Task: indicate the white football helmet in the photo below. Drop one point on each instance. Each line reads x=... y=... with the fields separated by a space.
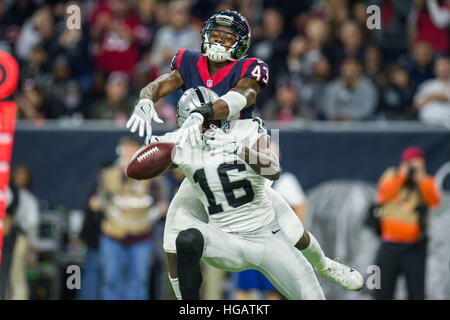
x=192 y=99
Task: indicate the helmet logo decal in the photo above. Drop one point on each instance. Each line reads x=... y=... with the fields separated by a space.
x=224 y=20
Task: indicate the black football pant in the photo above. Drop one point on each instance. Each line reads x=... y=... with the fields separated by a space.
x=398 y=258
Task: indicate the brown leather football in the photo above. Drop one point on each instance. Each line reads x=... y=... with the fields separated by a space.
x=151 y=161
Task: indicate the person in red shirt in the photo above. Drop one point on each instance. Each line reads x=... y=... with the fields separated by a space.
x=405 y=194
x=114 y=28
x=425 y=27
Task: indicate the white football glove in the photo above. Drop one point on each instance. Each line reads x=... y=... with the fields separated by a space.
x=169 y=137
x=191 y=130
x=143 y=114
x=220 y=141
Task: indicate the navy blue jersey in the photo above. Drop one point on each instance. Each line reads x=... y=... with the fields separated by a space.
x=193 y=67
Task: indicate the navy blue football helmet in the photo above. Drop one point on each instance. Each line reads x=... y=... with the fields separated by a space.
x=241 y=30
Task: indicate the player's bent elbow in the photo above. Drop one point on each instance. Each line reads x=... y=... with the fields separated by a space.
x=273 y=175
x=276 y=176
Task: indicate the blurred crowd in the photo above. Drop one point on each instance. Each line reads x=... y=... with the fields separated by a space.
x=325 y=63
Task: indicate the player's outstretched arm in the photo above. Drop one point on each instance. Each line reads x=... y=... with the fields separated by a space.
x=162 y=86
x=144 y=112
x=261 y=159
x=230 y=104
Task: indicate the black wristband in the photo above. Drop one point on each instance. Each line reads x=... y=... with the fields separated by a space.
x=206 y=110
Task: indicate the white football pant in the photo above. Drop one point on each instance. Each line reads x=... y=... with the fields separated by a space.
x=185 y=208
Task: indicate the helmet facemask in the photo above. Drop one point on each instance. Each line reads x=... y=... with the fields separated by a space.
x=216 y=51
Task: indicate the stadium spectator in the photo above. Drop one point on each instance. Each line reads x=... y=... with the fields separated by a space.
x=301 y=58
x=350 y=44
x=396 y=95
x=162 y=14
x=113 y=29
x=21 y=227
x=317 y=32
x=405 y=194
x=300 y=62
x=312 y=92
x=272 y=47
x=179 y=33
x=74 y=45
x=420 y=64
x=427 y=26
x=440 y=14
x=117 y=104
x=373 y=65
x=291 y=11
x=311 y=89
x=39 y=29
x=337 y=13
x=64 y=95
x=31 y=102
x=145 y=31
x=90 y=236
x=392 y=37
x=130 y=209
x=11 y=19
x=350 y=97
x=286 y=105
x=37 y=67
x=433 y=96
x=308 y=69
x=360 y=15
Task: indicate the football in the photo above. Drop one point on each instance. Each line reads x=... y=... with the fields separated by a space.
x=151 y=161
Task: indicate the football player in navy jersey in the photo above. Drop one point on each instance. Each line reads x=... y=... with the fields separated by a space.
x=222 y=67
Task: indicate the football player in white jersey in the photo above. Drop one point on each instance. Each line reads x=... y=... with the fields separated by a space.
x=188 y=207
x=225 y=40
x=242 y=232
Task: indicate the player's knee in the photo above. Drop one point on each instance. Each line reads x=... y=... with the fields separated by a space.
x=190 y=242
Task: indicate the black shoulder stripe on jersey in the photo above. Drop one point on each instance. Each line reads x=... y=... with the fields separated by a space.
x=261 y=123
x=200 y=95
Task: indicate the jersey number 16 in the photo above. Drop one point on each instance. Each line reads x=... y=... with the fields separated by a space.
x=227 y=187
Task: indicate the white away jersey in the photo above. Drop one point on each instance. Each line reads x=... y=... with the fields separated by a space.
x=248 y=130
x=231 y=191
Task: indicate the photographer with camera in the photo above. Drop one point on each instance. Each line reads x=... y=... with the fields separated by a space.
x=405 y=194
